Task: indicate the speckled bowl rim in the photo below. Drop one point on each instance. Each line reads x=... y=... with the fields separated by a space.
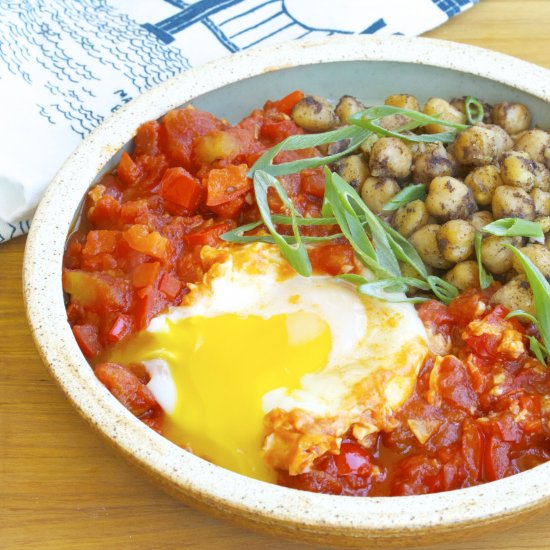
x=181 y=472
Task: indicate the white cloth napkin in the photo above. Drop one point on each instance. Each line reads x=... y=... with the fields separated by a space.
x=65 y=65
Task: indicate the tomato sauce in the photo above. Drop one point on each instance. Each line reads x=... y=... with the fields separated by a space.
x=478 y=411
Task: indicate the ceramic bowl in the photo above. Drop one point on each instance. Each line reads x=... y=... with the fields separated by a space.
x=370 y=68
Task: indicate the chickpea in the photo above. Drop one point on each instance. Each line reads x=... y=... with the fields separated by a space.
x=403 y=101
x=410 y=218
x=475 y=145
x=538 y=254
x=425 y=242
x=431 y=163
x=456 y=240
x=513 y=117
x=544 y=222
x=449 y=199
x=436 y=106
x=541 y=199
x=367 y=145
x=496 y=257
x=314 y=114
x=515 y=294
x=481 y=219
x=463 y=275
x=535 y=143
x=512 y=202
x=347 y=106
x=519 y=169
x=483 y=181
x=376 y=192
x=390 y=158
x=503 y=140
x=353 y=169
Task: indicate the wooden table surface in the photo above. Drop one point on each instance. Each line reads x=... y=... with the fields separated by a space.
x=61 y=487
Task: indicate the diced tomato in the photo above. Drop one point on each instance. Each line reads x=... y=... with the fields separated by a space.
x=472 y=449
x=101 y=241
x=313 y=182
x=333 y=259
x=287 y=103
x=170 y=285
x=145 y=274
x=468 y=306
x=146 y=141
x=353 y=460
x=105 y=211
x=274 y=131
x=229 y=209
x=496 y=460
x=126 y=387
x=87 y=339
x=96 y=291
x=180 y=187
x=208 y=235
x=453 y=383
x=179 y=128
x=436 y=316
x=149 y=302
x=151 y=243
x=120 y=328
x=128 y=171
x=225 y=184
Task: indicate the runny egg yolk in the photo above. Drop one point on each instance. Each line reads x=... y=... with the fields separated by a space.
x=221 y=368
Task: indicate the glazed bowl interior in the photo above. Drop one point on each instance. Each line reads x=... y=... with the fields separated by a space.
x=370 y=69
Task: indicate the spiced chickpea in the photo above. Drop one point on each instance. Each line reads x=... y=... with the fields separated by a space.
x=436 y=106
x=390 y=158
x=512 y=202
x=541 y=200
x=347 y=106
x=535 y=143
x=448 y=199
x=538 y=254
x=456 y=240
x=353 y=169
x=463 y=275
x=432 y=162
x=314 y=114
x=481 y=219
x=513 y=117
x=495 y=255
x=483 y=181
x=410 y=217
x=425 y=242
x=515 y=294
x=376 y=192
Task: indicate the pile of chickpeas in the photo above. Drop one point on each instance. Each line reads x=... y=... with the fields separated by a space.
x=498 y=168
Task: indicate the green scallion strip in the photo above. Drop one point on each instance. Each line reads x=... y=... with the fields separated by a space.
x=407 y=194
x=443 y=290
x=346 y=206
x=355 y=135
x=296 y=254
x=541 y=294
x=485 y=279
x=515 y=227
x=391 y=289
x=539 y=351
x=474 y=110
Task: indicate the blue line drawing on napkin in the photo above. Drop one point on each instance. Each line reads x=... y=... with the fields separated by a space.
x=70 y=63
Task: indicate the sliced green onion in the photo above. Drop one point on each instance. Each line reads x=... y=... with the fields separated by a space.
x=485 y=279
x=406 y=195
x=444 y=291
x=355 y=135
x=539 y=351
x=541 y=294
x=405 y=251
x=476 y=114
x=388 y=289
x=515 y=227
x=296 y=254
x=346 y=206
x=521 y=313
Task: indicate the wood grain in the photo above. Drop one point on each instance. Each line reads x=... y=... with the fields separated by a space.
x=61 y=488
